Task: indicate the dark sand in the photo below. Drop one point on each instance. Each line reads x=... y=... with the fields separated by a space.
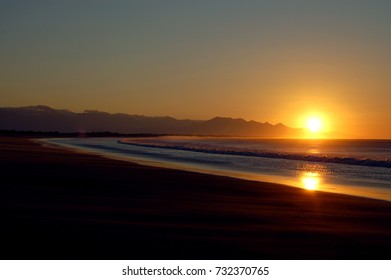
x=58 y=204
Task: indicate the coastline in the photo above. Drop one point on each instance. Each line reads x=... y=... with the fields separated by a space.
x=302 y=179
x=61 y=204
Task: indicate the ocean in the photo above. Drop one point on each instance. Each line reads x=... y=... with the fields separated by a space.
x=354 y=167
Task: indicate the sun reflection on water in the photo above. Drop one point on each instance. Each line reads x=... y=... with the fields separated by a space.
x=310 y=180
x=313 y=151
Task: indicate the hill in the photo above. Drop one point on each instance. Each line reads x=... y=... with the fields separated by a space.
x=44 y=118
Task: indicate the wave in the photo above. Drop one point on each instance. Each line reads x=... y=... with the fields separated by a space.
x=270 y=154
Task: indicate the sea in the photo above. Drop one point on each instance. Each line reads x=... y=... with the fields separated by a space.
x=353 y=167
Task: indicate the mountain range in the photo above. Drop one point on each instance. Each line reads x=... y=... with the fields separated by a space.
x=44 y=118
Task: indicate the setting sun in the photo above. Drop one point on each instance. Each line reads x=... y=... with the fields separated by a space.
x=314 y=124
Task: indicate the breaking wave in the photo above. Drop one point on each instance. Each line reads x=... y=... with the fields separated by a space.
x=269 y=154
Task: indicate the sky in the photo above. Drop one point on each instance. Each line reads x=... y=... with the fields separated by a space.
x=279 y=61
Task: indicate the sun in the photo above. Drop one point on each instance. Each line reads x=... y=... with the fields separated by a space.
x=314 y=124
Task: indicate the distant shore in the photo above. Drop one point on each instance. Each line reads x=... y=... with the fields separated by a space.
x=59 y=204
x=57 y=134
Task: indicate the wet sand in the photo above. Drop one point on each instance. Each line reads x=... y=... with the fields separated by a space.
x=59 y=204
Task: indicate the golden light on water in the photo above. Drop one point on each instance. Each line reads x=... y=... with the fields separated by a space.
x=310 y=180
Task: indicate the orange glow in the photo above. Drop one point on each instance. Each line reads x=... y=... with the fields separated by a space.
x=314 y=124
x=310 y=181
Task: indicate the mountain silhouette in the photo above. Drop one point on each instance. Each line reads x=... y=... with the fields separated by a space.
x=44 y=118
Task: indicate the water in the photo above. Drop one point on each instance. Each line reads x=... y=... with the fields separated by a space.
x=355 y=167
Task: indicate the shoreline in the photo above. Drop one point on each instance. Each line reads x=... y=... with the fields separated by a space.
x=60 y=204
x=364 y=191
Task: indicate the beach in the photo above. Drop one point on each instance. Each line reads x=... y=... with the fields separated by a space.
x=61 y=204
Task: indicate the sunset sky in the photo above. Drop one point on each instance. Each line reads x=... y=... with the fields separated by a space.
x=276 y=61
